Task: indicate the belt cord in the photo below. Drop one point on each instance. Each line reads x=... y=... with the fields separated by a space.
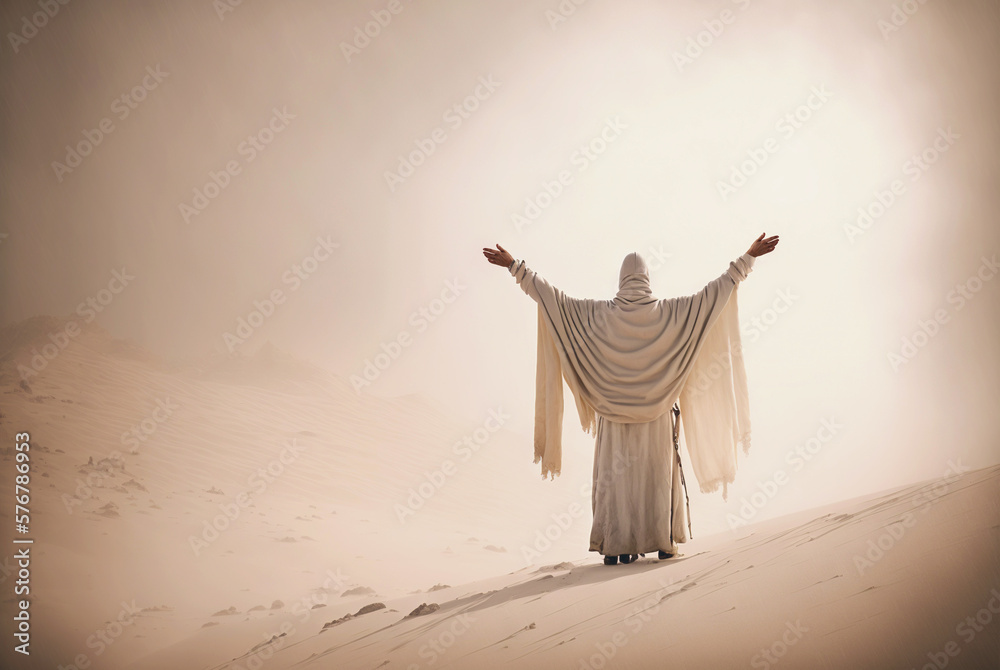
x=677 y=448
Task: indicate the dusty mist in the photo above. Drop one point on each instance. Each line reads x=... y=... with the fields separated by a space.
x=262 y=362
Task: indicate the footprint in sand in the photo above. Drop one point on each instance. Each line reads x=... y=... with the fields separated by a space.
x=558 y=567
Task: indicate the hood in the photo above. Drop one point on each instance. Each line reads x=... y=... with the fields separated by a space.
x=633 y=280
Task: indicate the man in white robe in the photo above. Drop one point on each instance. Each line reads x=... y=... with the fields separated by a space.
x=634 y=364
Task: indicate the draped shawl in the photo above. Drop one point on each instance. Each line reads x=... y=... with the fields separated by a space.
x=631 y=358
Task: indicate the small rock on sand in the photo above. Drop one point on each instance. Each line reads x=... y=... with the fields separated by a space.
x=158 y=608
x=347 y=617
x=423 y=609
x=358 y=591
x=110 y=511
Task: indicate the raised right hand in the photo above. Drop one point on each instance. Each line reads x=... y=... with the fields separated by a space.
x=761 y=246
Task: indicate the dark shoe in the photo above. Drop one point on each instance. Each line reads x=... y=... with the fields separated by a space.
x=628 y=558
x=610 y=560
x=662 y=555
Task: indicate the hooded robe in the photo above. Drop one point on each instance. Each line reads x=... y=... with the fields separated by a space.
x=627 y=361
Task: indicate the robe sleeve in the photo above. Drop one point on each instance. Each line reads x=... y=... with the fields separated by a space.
x=532 y=283
x=697 y=313
x=737 y=271
x=741 y=267
x=714 y=400
x=549 y=374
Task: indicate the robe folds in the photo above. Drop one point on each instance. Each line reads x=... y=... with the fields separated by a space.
x=638 y=500
x=627 y=360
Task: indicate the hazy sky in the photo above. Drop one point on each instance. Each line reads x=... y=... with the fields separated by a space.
x=618 y=123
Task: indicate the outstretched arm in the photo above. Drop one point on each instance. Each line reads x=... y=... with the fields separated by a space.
x=716 y=292
x=530 y=281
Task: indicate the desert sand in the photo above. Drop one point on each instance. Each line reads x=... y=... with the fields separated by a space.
x=246 y=513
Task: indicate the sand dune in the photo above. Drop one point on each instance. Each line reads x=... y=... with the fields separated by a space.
x=232 y=483
x=804 y=591
x=244 y=511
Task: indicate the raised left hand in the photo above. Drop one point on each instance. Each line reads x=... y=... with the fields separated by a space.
x=501 y=257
